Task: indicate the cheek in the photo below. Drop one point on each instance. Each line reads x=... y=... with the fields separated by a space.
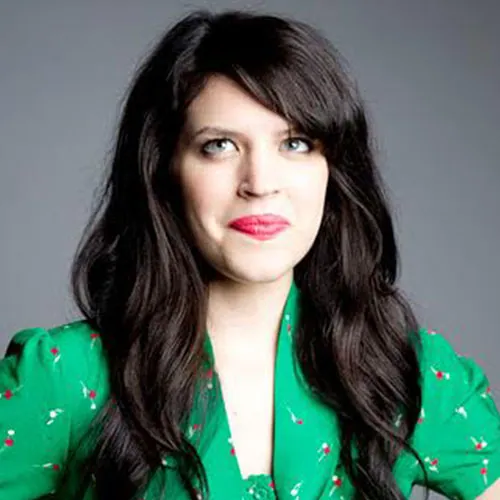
x=205 y=198
x=312 y=192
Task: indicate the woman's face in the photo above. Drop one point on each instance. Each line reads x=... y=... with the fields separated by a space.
x=236 y=159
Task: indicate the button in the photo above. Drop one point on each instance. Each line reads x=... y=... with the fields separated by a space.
x=259 y=488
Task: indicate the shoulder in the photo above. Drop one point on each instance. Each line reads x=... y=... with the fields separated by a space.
x=53 y=382
x=448 y=378
x=64 y=363
x=72 y=335
x=71 y=349
x=458 y=432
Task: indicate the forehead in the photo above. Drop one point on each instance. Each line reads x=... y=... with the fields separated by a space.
x=222 y=102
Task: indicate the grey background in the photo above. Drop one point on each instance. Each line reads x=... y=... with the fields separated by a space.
x=429 y=71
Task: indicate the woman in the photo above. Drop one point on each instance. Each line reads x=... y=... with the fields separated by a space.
x=243 y=336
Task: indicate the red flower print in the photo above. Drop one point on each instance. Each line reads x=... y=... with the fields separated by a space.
x=93 y=339
x=209 y=378
x=232 y=451
x=54 y=467
x=8 y=441
x=55 y=353
x=192 y=430
x=433 y=463
x=440 y=375
x=479 y=445
x=324 y=451
x=484 y=471
x=90 y=394
x=487 y=392
x=294 y=418
x=337 y=483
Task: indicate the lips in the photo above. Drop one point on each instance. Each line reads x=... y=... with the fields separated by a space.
x=261 y=227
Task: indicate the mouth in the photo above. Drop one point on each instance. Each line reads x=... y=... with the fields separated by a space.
x=260 y=227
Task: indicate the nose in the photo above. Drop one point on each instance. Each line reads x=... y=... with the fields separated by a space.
x=260 y=174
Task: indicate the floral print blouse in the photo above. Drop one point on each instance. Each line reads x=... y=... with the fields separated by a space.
x=54 y=381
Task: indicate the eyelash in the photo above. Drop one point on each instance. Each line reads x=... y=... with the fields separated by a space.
x=307 y=141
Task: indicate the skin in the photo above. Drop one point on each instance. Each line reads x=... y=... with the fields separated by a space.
x=256 y=168
x=492 y=493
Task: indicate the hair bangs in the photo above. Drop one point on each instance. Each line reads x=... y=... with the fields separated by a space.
x=302 y=82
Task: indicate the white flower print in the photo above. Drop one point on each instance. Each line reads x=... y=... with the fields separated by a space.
x=94 y=337
x=90 y=394
x=486 y=393
x=323 y=451
x=484 y=471
x=53 y=414
x=398 y=420
x=192 y=430
x=421 y=417
x=57 y=355
x=337 y=483
x=55 y=467
x=440 y=375
x=8 y=393
x=295 y=491
x=209 y=375
x=294 y=418
x=479 y=445
x=433 y=463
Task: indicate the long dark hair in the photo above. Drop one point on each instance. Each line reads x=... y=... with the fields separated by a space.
x=139 y=281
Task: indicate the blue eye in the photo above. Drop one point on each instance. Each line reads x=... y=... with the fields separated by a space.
x=208 y=147
x=299 y=143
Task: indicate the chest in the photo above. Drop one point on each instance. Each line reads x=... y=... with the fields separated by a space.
x=248 y=392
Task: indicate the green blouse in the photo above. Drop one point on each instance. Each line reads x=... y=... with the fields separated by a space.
x=54 y=381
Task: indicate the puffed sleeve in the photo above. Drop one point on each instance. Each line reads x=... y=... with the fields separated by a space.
x=458 y=435
x=48 y=396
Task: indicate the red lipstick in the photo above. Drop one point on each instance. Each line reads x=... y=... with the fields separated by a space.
x=260 y=227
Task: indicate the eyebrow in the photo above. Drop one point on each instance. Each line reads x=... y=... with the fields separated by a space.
x=235 y=133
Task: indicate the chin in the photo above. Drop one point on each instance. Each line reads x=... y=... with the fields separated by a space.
x=258 y=277
x=258 y=270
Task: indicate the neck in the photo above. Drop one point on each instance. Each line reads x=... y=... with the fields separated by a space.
x=242 y=314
